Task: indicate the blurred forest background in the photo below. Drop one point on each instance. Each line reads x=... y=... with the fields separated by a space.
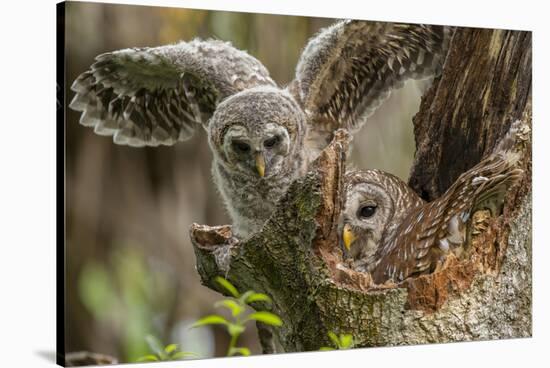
x=130 y=267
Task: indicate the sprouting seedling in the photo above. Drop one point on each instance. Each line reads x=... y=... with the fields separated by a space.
x=342 y=342
x=160 y=353
x=238 y=307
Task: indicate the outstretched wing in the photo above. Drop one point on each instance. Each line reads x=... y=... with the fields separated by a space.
x=348 y=69
x=153 y=96
x=431 y=232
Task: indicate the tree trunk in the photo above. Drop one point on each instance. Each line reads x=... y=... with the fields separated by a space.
x=485 y=85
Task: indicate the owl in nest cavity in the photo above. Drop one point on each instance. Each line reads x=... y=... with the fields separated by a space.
x=390 y=232
x=262 y=136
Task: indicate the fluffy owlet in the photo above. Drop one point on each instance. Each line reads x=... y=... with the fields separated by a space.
x=262 y=136
x=389 y=231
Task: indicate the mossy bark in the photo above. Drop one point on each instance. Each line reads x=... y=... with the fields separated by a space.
x=295 y=258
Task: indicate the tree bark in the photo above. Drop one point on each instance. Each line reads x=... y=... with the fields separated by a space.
x=295 y=258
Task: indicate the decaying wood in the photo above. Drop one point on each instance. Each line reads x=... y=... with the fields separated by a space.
x=485 y=294
x=485 y=85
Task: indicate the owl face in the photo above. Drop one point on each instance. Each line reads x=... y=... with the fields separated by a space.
x=257 y=131
x=258 y=152
x=368 y=210
x=376 y=204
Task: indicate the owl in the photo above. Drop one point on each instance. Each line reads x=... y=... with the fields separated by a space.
x=262 y=136
x=390 y=232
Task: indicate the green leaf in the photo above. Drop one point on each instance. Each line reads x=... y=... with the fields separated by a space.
x=334 y=339
x=242 y=351
x=235 y=329
x=326 y=348
x=265 y=317
x=227 y=286
x=170 y=348
x=212 y=319
x=232 y=305
x=183 y=355
x=346 y=341
x=148 y=358
x=155 y=346
x=258 y=297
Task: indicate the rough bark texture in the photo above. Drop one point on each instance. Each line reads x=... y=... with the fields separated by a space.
x=485 y=85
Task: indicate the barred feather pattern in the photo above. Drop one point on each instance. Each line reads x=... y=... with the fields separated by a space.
x=428 y=233
x=158 y=96
x=349 y=69
x=393 y=199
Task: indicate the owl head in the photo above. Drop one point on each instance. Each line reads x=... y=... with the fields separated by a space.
x=375 y=204
x=257 y=132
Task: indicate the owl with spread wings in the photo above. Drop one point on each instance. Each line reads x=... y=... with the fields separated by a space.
x=262 y=136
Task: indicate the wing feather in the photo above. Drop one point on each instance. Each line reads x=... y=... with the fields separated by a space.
x=439 y=227
x=158 y=96
x=350 y=68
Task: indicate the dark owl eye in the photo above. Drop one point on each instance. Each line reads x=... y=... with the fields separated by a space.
x=367 y=211
x=268 y=143
x=241 y=146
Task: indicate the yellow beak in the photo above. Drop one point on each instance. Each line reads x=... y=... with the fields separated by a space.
x=348 y=236
x=260 y=164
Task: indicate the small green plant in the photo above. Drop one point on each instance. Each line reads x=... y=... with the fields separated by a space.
x=238 y=306
x=342 y=342
x=160 y=353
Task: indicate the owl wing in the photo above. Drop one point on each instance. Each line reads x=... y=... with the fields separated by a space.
x=350 y=68
x=428 y=234
x=153 y=96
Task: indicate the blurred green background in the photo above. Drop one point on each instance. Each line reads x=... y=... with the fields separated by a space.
x=130 y=267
